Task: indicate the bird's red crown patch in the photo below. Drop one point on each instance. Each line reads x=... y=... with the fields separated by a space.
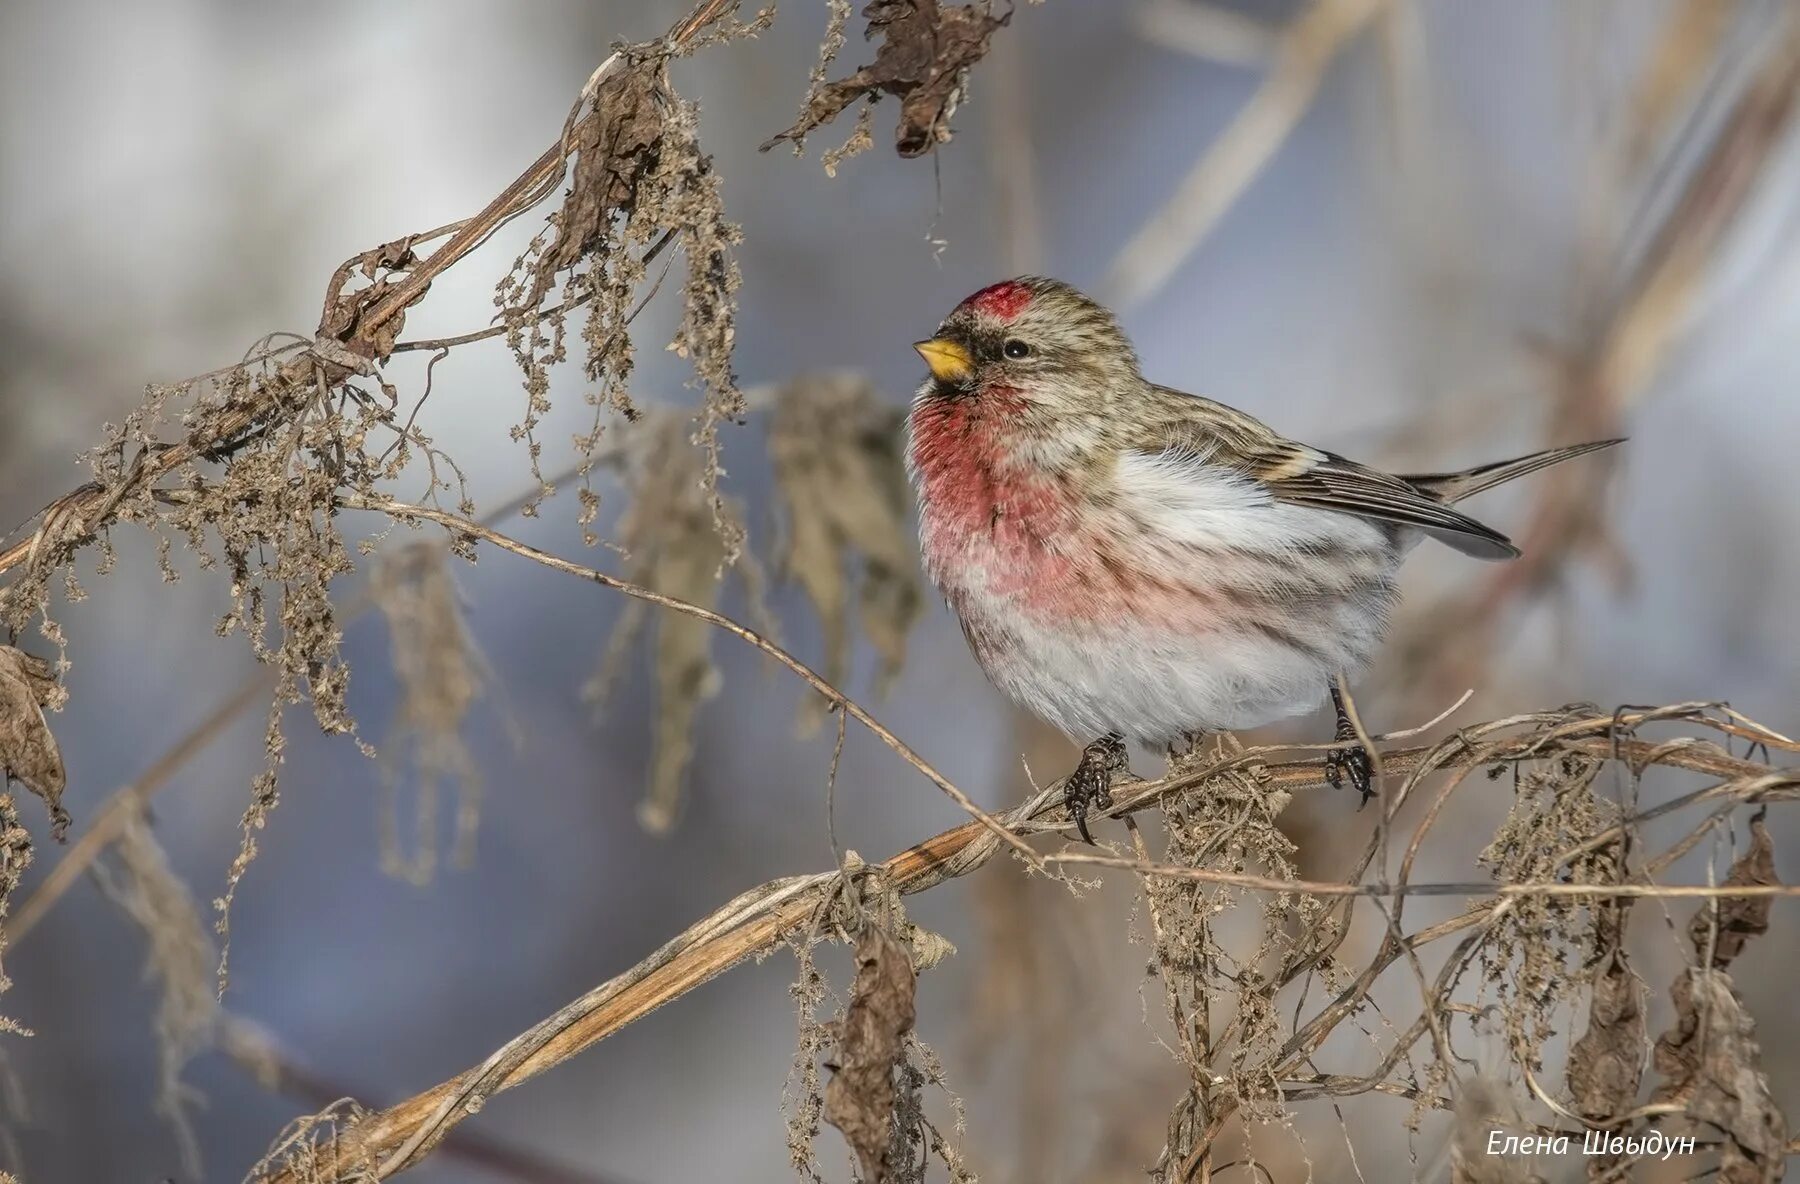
x=1003 y=301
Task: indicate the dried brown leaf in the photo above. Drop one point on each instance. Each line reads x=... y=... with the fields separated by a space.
x=1739 y=918
x=28 y=751
x=616 y=144
x=346 y=308
x=871 y=1042
x=1712 y=1065
x=925 y=51
x=842 y=484
x=1606 y=1065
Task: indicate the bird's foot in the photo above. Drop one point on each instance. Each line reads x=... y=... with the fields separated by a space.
x=1090 y=784
x=1350 y=763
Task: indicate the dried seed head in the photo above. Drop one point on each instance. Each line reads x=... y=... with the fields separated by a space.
x=672 y=547
x=440 y=674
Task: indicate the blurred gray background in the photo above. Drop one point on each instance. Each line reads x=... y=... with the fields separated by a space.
x=1397 y=283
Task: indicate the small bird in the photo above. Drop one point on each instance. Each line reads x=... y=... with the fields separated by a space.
x=1128 y=560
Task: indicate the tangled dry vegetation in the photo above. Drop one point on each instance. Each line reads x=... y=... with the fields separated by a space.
x=253 y=467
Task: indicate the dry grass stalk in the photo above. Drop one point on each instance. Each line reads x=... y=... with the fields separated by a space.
x=261 y=449
x=1639 y=320
x=109 y=821
x=274 y=1068
x=270 y=451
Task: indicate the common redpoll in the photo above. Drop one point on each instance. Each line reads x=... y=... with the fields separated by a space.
x=1129 y=560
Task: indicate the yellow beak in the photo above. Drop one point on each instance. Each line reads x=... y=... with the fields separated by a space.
x=949 y=361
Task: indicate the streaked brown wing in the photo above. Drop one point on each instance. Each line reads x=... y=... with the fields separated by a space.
x=1345 y=486
x=1304 y=476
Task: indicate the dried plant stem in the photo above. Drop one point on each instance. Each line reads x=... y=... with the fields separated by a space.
x=271 y=1065
x=759 y=920
x=1615 y=363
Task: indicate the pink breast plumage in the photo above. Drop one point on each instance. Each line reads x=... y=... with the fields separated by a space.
x=978 y=507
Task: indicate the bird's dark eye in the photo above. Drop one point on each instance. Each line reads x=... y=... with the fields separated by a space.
x=1014 y=348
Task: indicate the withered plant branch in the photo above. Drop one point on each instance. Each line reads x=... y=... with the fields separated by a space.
x=1304 y=53
x=83 y=511
x=759 y=920
x=544 y=315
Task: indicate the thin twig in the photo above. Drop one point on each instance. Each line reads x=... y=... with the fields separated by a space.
x=475 y=530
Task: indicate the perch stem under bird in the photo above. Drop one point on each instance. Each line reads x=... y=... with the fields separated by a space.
x=1130 y=561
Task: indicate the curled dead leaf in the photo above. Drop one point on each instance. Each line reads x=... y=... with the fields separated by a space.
x=871 y=1041
x=28 y=751
x=841 y=482
x=346 y=307
x=1712 y=1066
x=926 y=50
x=1606 y=1065
x=616 y=145
x=1739 y=918
x=1709 y=1061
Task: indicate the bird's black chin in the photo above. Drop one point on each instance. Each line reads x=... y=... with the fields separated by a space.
x=950 y=391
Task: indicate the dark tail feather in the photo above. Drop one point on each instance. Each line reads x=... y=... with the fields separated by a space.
x=1453 y=487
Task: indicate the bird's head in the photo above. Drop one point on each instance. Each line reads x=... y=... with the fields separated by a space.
x=1034 y=341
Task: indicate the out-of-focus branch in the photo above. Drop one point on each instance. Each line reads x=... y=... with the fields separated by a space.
x=755 y=922
x=126 y=804
x=1207 y=31
x=1305 y=52
x=1613 y=369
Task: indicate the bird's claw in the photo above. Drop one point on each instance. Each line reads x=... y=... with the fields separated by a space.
x=1350 y=763
x=1091 y=782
